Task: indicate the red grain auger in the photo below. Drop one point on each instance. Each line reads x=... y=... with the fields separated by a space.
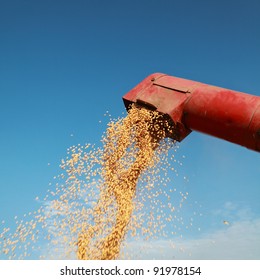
x=223 y=113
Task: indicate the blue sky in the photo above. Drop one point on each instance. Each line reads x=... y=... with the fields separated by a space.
x=63 y=64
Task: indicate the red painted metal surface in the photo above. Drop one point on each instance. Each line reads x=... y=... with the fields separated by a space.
x=223 y=113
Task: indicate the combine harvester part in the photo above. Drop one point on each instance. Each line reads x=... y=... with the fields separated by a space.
x=223 y=113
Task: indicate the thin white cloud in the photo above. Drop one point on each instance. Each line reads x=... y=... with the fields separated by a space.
x=234 y=211
x=241 y=240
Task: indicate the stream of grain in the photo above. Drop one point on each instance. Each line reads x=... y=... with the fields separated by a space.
x=95 y=203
